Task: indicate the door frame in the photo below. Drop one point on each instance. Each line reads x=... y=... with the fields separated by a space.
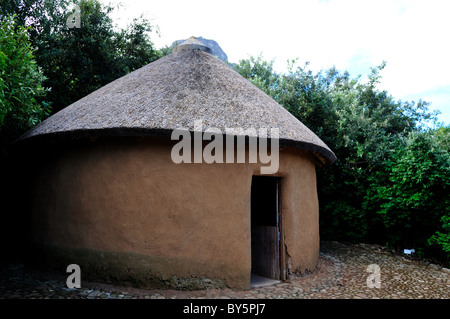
x=282 y=248
x=280 y=228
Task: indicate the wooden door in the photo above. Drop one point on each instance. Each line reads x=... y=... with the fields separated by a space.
x=265 y=252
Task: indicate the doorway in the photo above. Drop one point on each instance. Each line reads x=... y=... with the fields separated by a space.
x=266 y=227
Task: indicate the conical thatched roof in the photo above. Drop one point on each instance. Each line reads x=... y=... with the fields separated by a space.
x=172 y=92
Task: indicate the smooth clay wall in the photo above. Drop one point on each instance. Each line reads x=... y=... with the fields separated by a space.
x=122 y=210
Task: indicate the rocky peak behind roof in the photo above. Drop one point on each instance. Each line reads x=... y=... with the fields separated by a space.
x=213 y=45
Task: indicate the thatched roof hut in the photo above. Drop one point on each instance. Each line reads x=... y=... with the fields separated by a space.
x=109 y=198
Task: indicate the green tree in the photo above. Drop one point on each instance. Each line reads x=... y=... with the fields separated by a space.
x=21 y=89
x=411 y=191
x=78 y=60
x=260 y=73
x=442 y=137
x=441 y=237
x=369 y=125
x=22 y=105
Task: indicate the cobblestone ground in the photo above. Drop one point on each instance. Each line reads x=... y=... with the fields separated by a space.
x=341 y=274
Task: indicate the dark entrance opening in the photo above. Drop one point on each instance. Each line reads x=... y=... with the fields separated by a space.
x=265 y=227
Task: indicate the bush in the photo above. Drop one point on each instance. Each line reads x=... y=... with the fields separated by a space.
x=410 y=194
x=21 y=90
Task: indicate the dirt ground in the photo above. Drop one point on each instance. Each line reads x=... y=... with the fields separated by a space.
x=345 y=271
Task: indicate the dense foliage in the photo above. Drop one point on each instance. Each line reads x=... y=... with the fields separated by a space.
x=21 y=81
x=77 y=59
x=391 y=181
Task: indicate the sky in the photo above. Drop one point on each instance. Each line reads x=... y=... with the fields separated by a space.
x=412 y=36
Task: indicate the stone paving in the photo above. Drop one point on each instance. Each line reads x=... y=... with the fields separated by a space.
x=342 y=273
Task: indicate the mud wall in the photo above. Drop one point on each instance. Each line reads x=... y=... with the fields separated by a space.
x=123 y=211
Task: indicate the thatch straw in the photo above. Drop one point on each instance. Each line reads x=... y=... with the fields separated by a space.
x=172 y=93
